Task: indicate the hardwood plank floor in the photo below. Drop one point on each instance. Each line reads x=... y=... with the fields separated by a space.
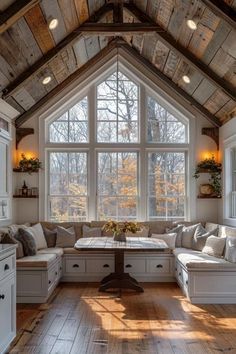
x=78 y=320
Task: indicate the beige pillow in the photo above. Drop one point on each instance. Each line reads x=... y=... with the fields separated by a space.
x=187 y=235
x=13 y=229
x=37 y=232
x=178 y=230
x=65 y=237
x=169 y=239
x=230 y=249
x=7 y=238
x=92 y=231
x=200 y=236
x=214 y=246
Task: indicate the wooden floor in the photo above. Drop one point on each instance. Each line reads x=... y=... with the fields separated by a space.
x=78 y=319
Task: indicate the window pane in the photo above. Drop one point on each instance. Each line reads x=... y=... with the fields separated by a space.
x=163 y=127
x=72 y=126
x=117 y=102
x=68 y=209
x=166 y=185
x=68 y=185
x=117 y=185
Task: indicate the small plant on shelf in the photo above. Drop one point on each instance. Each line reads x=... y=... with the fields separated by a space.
x=28 y=165
x=214 y=168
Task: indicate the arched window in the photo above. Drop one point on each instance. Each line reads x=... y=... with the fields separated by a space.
x=120 y=152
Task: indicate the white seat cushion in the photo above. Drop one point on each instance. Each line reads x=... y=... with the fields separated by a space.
x=196 y=259
x=52 y=250
x=37 y=261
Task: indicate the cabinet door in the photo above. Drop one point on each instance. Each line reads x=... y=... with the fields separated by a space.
x=7 y=312
x=3 y=168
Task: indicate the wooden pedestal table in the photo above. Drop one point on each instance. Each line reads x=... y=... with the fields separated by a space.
x=119 y=279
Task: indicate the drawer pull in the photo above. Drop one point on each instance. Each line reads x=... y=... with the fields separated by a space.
x=128 y=266
x=106 y=266
x=176 y=269
x=2 y=297
x=6 y=267
x=159 y=266
x=186 y=282
x=49 y=282
x=56 y=273
x=60 y=268
x=75 y=266
x=180 y=274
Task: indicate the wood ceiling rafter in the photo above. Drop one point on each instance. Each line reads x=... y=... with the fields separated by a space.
x=184 y=53
x=223 y=10
x=117 y=43
x=14 y=12
x=52 y=53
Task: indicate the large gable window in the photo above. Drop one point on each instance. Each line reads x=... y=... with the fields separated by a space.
x=120 y=152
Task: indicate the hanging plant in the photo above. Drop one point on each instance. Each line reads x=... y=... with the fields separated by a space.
x=214 y=168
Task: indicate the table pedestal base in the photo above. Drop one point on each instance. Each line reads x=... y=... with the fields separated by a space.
x=120 y=279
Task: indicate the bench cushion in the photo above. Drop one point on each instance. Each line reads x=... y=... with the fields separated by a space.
x=197 y=260
x=37 y=261
x=52 y=250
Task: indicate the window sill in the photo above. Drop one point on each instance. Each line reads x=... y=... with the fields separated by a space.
x=230 y=222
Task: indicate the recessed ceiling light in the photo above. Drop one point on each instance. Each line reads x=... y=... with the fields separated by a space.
x=46 y=80
x=186 y=79
x=52 y=23
x=192 y=24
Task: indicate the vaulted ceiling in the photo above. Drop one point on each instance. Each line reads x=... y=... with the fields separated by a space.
x=154 y=30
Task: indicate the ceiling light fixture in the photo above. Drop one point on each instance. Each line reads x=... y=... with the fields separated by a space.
x=192 y=24
x=186 y=79
x=46 y=80
x=52 y=23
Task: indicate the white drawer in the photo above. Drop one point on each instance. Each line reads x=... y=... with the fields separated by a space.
x=99 y=266
x=7 y=266
x=158 y=266
x=135 y=265
x=75 y=266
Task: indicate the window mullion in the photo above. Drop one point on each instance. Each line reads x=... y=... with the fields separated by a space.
x=92 y=158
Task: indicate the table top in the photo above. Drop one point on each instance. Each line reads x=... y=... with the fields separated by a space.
x=131 y=244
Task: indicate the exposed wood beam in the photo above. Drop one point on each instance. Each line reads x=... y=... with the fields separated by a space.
x=64 y=84
x=185 y=54
x=117 y=43
x=119 y=28
x=49 y=56
x=169 y=83
x=118 y=12
x=221 y=9
x=14 y=12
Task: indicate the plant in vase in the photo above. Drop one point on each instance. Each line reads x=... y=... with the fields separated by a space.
x=119 y=229
x=29 y=165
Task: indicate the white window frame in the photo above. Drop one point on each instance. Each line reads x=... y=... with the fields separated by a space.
x=87 y=88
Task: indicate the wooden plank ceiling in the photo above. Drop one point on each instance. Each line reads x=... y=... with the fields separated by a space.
x=29 y=50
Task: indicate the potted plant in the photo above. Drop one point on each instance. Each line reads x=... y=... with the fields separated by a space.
x=119 y=229
x=214 y=168
x=29 y=165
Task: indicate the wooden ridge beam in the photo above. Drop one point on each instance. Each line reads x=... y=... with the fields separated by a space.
x=50 y=55
x=64 y=84
x=14 y=12
x=221 y=9
x=169 y=83
x=119 y=28
x=185 y=54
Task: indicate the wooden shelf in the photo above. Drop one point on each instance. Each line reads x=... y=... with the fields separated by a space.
x=208 y=197
x=26 y=196
x=29 y=172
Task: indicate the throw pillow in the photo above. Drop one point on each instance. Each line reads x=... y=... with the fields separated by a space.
x=176 y=230
x=37 y=232
x=65 y=237
x=230 y=249
x=214 y=246
x=169 y=239
x=50 y=236
x=7 y=238
x=200 y=236
x=13 y=229
x=187 y=235
x=28 y=242
x=92 y=231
